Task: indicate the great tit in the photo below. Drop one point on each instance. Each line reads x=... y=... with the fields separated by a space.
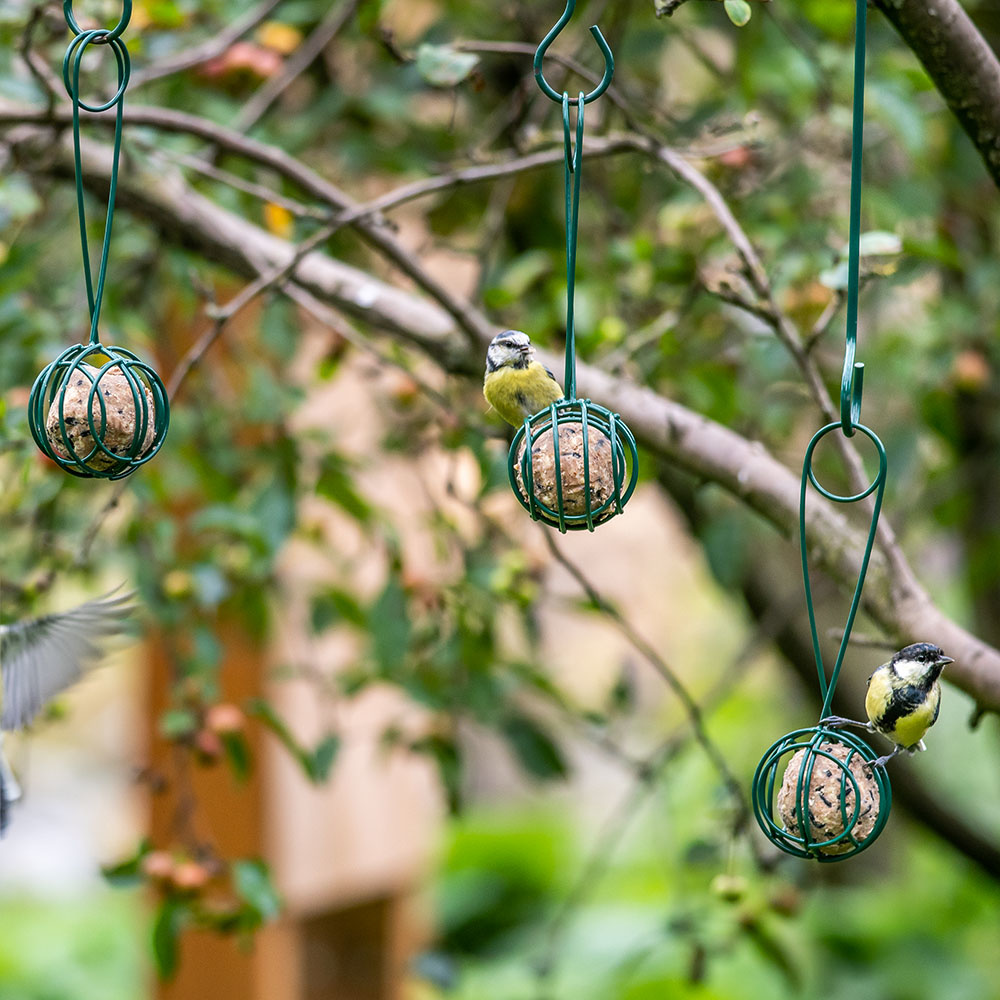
x=516 y=385
x=904 y=698
x=41 y=657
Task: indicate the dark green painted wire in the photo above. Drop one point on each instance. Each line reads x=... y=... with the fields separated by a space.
x=852 y=379
x=569 y=409
x=71 y=79
x=75 y=443
x=572 y=162
x=814 y=740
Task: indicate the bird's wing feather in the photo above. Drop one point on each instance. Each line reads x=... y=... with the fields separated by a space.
x=548 y=371
x=43 y=656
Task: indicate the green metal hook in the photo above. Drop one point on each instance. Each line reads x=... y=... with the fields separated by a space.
x=609 y=61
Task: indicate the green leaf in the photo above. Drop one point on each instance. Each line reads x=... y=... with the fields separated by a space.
x=176 y=723
x=237 y=752
x=252 y=881
x=323 y=757
x=878 y=242
x=835 y=277
x=445 y=754
x=443 y=65
x=390 y=627
x=170 y=920
x=739 y=12
x=536 y=751
x=314 y=763
x=332 y=606
x=336 y=485
x=128 y=872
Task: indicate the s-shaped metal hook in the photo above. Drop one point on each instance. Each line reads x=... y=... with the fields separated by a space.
x=609 y=61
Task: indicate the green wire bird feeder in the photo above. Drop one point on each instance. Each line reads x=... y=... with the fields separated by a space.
x=98 y=411
x=817 y=792
x=574 y=464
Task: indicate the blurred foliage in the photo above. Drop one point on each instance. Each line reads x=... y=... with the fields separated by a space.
x=75 y=949
x=763 y=110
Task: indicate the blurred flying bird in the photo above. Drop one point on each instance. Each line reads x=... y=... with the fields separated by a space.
x=904 y=698
x=516 y=385
x=41 y=657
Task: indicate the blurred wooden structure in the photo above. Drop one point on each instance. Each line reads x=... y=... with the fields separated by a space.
x=345 y=856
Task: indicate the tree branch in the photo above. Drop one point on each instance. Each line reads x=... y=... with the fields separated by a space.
x=209 y=49
x=965 y=70
x=299 y=61
x=893 y=597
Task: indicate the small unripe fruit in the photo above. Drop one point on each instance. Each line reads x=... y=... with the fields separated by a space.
x=158 y=865
x=208 y=745
x=190 y=876
x=224 y=718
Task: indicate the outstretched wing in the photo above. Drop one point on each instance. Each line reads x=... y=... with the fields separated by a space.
x=43 y=656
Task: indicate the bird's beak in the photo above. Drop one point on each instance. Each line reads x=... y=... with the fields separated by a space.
x=945 y=660
x=525 y=348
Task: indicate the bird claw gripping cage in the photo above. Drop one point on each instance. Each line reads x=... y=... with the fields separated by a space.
x=819 y=792
x=97 y=410
x=574 y=464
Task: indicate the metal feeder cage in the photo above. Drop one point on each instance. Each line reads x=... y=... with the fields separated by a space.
x=580 y=476
x=98 y=412
x=826 y=810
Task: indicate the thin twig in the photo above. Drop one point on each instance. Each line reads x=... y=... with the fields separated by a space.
x=209 y=49
x=646 y=650
x=299 y=61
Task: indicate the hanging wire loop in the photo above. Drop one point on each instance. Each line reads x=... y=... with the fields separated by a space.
x=107 y=35
x=609 y=61
x=575 y=464
x=877 y=486
x=573 y=162
x=820 y=792
x=98 y=411
x=71 y=78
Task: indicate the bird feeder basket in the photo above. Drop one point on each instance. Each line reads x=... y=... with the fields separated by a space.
x=573 y=465
x=819 y=792
x=581 y=475
x=97 y=411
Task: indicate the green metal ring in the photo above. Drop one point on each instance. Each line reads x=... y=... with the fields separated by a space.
x=77 y=46
x=624 y=461
x=766 y=778
x=50 y=387
x=108 y=35
x=879 y=479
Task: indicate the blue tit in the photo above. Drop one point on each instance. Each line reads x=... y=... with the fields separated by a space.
x=904 y=698
x=41 y=657
x=516 y=385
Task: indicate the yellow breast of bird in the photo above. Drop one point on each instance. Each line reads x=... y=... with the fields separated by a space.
x=516 y=393
x=902 y=714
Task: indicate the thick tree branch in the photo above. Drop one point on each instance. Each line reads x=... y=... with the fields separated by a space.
x=965 y=70
x=693 y=442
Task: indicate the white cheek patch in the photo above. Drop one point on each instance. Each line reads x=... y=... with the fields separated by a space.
x=910 y=670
